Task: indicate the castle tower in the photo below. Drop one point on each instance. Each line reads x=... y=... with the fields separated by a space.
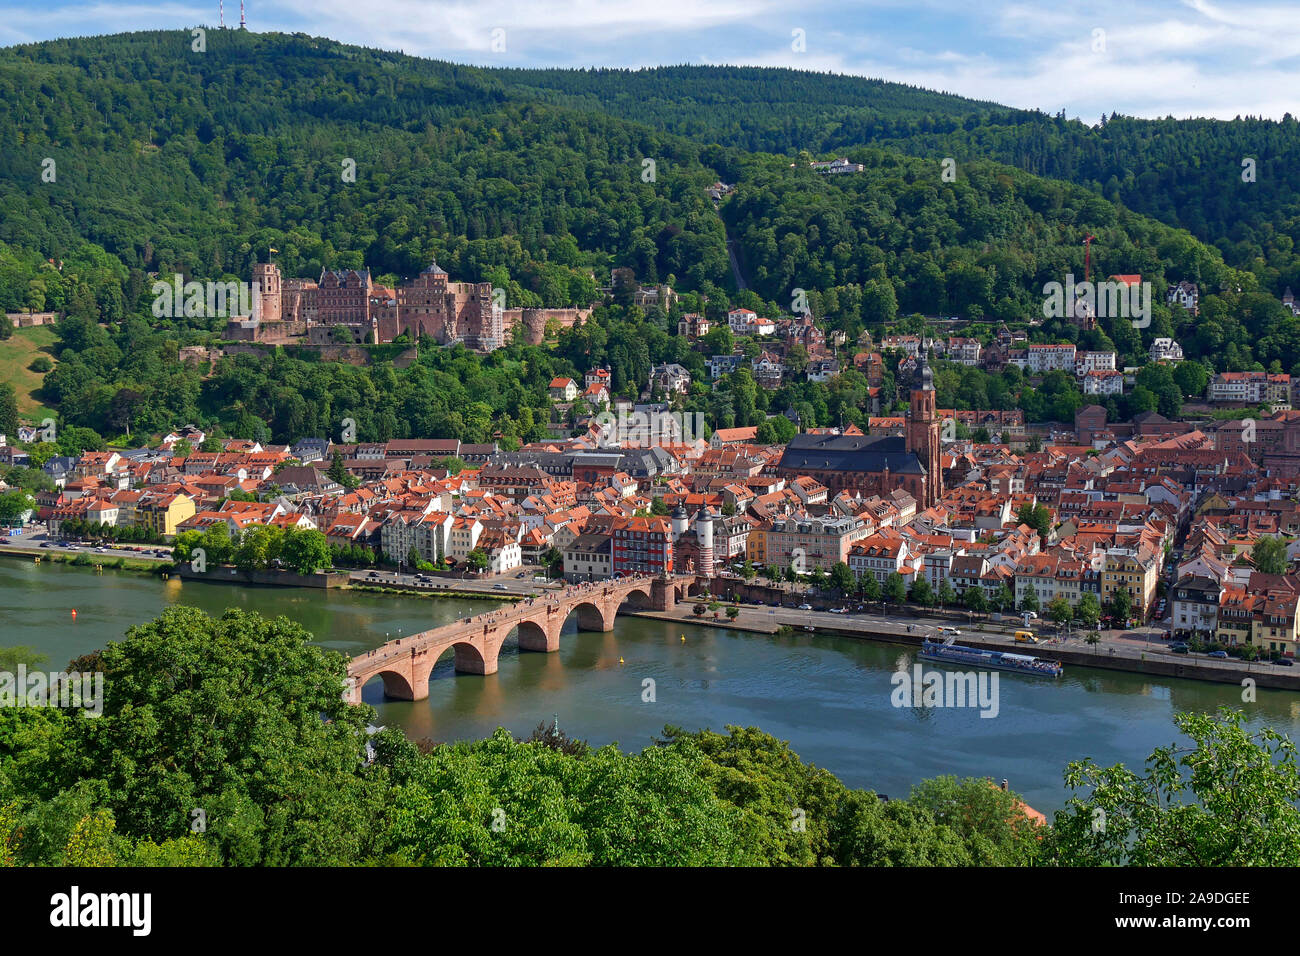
x=923 y=433
x=269 y=289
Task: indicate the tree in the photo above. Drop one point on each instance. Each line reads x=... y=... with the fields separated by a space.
x=257 y=687
x=1030 y=601
x=1059 y=610
x=477 y=560
x=733 y=612
x=1231 y=799
x=339 y=473
x=975 y=599
x=870 y=587
x=1269 y=555
x=14 y=505
x=1003 y=599
x=991 y=821
x=8 y=409
x=1038 y=517
x=841 y=578
x=1089 y=610
x=946 y=595
x=305 y=550
x=1121 y=606
x=895 y=589
x=922 y=593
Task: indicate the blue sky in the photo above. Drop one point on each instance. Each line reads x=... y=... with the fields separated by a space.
x=1142 y=57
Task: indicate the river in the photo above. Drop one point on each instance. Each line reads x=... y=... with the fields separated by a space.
x=829 y=696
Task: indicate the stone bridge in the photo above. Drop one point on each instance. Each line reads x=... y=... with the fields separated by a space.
x=405 y=664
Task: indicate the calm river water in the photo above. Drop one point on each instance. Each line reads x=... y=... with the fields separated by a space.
x=828 y=696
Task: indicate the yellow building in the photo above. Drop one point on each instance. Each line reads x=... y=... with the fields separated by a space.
x=756 y=545
x=161 y=515
x=1134 y=570
x=1275 y=625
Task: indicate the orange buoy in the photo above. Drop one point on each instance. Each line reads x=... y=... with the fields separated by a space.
x=74 y=613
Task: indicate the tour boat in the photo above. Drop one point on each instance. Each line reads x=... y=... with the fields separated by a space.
x=949 y=653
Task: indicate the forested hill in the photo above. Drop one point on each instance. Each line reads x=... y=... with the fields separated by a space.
x=1187 y=173
x=165 y=159
x=198 y=162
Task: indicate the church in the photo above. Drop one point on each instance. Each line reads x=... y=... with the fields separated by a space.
x=877 y=464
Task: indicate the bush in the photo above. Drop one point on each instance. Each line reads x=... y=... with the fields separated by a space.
x=42 y=364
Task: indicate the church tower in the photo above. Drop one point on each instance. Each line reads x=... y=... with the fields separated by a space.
x=923 y=433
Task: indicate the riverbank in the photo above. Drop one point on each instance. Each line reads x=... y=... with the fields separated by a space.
x=415 y=592
x=81 y=559
x=1140 y=662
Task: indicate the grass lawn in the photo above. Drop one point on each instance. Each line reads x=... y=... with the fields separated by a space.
x=16 y=354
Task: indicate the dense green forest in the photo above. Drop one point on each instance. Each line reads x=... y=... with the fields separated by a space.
x=1186 y=173
x=211 y=750
x=170 y=160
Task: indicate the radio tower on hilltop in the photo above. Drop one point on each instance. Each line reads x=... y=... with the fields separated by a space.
x=242 y=24
x=221 y=13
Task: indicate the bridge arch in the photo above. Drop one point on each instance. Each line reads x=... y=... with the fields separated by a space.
x=397 y=685
x=592 y=615
x=535 y=635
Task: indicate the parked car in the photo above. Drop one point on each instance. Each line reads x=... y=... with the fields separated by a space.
x=1284 y=662
x=1179 y=648
x=499 y=587
x=805 y=607
x=1222 y=655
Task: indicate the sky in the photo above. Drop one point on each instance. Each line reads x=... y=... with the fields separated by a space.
x=1146 y=58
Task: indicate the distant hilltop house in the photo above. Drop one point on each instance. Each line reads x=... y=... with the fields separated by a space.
x=670 y=378
x=651 y=296
x=836 y=166
x=1100 y=381
x=1166 y=350
x=563 y=389
x=692 y=325
x=1250 y=388
x=1288 y=300
x=748 y=322
x=720 y=189
x=1185 y=294
x=720 y=365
